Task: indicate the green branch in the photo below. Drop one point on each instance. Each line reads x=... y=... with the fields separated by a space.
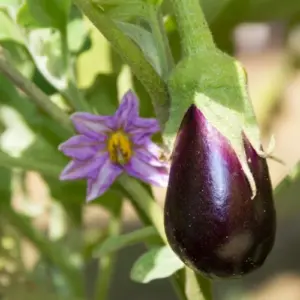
x=132 y=55
x=192 y=26
x=145 y=203
x=149 y=212
x=196 y=42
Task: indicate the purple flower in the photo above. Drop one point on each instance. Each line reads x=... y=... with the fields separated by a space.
x=109 y=145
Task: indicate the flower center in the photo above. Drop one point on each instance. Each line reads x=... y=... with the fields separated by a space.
x=119 y=148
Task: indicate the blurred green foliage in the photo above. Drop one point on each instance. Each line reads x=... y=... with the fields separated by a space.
x=59 y=50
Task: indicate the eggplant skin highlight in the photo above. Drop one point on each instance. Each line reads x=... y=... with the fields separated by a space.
x=211 y=222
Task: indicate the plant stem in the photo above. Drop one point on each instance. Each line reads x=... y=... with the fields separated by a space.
x=65 y=50
x=192 y=26
x=49 y=250
x=75 y=96
x=161 y=40
x=149 y=213
x=145 y=202
x=107 y=262
x=35 y=94
x=178 y=286
x=132 y=55
x=195 y=38
x=197 y=287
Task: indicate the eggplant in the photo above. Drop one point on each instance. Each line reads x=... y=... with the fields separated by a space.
x=210 y=220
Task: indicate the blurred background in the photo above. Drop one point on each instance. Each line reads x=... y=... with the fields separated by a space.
x=265 y=37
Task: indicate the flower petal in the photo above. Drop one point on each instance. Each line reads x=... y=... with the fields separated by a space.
x=99 y=184
x=150 y=154
x=127 y=111
x=149 y=124
x=91 y=125
x=150 y=174
x=80 y=169
x=142 y=129
x=81 y=147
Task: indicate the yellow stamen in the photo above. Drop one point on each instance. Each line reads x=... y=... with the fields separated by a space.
x=119 y=147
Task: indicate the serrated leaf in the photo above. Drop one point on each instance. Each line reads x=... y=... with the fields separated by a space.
x=113 y=244
x=156 y=264
x=144 y=40
x=9 y=30
x=50 y=13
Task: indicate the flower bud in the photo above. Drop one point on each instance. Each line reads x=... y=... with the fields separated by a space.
x=211 y=222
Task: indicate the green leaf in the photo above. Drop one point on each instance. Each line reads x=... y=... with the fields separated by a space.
x=154 y=2
x=46 y=50
x=50 y=13
x=41 y=150
x=44 y=127
x=18 y=56
x=9 y=3
x=128 y=11
x=212 y=8
x=77 y=34
x=123 y=10
x=144 y=40
x=9 y=30
x=77 y=31
x=11 y=6
x=103 y=94
x=25 y=18
x=156 y=264
x=87 y=70
x=113 y=244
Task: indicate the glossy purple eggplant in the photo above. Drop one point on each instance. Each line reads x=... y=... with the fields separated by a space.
x=211 y=222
